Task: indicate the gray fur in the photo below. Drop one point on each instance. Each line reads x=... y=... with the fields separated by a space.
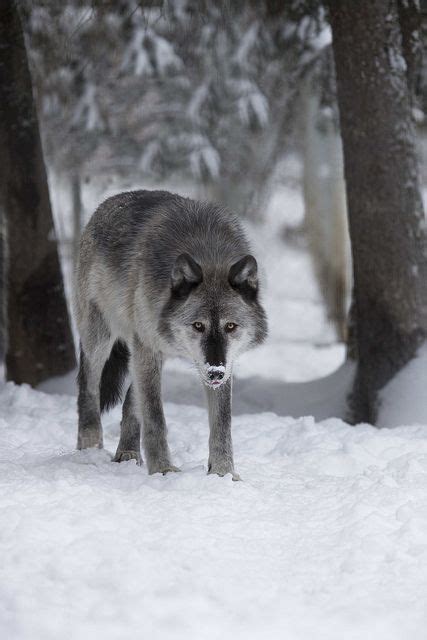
x=129 y=447
x=165 y=276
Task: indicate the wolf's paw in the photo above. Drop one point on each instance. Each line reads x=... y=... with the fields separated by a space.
x=222 y=470
x=89 y=439
x=170 y=469
x=163 y=468
x=125 y=456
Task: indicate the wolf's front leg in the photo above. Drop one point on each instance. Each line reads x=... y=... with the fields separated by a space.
x=220 y=445
x=147 y=366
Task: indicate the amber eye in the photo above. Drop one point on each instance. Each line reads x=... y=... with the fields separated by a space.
x=199 y=326
x=230 y=326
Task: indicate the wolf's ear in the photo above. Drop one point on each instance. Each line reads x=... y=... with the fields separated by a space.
x=186 y=274
x=243 y=276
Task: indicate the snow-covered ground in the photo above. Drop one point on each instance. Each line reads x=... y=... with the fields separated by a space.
x=325 y=538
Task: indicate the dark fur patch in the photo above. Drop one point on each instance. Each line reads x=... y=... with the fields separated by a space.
x=248 y=293
x=214 y=342
x=113 y=376
x=182 y=291
x=81 y=375
x=215 y=349
x=186 y=274
x=243 y=278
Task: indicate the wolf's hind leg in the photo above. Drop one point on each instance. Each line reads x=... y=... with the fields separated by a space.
x=146 y=369
x=95 y=347
x=129 y=447
x=90 y=429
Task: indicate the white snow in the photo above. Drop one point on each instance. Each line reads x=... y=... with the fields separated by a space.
x=404 y=399
x=251 y=101
x=205 y=158
x=247 y=43
x=87 y=112
x=197 y=101
x=212 y=368
x=324 y=539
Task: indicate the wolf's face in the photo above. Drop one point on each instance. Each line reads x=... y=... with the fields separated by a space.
x=212 y=317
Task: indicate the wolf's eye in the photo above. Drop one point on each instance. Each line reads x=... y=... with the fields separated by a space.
x=199 y=326
x=230 y=326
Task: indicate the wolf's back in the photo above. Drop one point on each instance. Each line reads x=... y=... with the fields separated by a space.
x=151 y=228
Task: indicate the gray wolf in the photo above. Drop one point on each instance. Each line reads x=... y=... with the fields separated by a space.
x=161 y=275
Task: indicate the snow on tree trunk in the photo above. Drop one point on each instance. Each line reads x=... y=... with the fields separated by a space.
x=386 y=218
x=40 y=343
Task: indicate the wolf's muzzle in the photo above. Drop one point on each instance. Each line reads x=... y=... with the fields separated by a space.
x=214 y=375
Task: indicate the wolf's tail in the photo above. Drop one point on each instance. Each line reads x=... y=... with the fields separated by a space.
x=113 y=376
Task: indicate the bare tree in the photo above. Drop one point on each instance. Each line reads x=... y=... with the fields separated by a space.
x=40 y=343
x=386 y=218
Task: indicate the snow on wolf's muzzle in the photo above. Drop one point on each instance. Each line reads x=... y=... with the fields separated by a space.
x=214 y=375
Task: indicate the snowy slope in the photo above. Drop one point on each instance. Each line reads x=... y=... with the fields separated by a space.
x=324 y=538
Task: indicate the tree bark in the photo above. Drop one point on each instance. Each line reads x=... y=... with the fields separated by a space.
x=40 y=343
x=3 y=286
x=386 y=218
x=410 y=26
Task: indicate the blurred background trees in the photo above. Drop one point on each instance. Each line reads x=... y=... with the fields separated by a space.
x=210 y=93
x=232 y=99
x=201 y=90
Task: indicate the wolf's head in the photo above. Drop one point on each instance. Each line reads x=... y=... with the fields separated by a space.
x=213 y=315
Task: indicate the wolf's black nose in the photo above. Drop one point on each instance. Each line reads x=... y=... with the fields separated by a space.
x=216 y=375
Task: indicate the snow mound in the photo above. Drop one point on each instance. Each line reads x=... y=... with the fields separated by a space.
x=324 y=539
x=404 y=399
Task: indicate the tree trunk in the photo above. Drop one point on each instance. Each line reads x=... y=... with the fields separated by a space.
x=410 y=25
x=40 y=343
x=386 y=218
x=3 y=285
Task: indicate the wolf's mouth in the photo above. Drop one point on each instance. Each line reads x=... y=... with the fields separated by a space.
x=213 y=384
